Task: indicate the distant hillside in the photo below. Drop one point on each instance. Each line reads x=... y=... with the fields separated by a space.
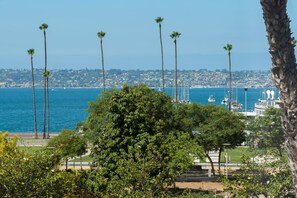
x=116 y=78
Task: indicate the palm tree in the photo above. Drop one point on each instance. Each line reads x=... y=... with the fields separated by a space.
x=43 y=27
x=174 y=35
x=31 y=53
x=101 y=35
x=284 y=72
x=159 y=20
x=228 y=48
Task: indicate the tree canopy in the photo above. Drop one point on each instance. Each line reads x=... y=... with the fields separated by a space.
x=135 y=143
x=266 y=131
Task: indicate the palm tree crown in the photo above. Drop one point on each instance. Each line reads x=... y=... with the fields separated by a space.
x=43 y=26
x=159 y=20
x=101 y=34
x=228 y=48
x=174 y=35
x=31 y=52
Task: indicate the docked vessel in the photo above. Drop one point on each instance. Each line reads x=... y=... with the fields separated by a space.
x=211 y=98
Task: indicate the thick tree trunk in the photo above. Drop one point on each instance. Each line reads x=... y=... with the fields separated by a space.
x=284 y=72
x=219 y=160
x=212 y=166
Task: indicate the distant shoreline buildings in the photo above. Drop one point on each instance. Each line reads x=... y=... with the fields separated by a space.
x=87 y=78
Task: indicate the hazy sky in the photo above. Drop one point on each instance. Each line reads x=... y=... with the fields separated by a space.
x=132 y=36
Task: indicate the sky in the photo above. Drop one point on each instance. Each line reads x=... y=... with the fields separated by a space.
x=132 y=35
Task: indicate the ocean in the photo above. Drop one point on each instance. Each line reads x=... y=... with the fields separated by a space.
x=69 y=106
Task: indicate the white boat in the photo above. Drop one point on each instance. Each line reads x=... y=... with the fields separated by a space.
x=211 y=98
x=236 y=105
x=225 y=101
x=268 y=100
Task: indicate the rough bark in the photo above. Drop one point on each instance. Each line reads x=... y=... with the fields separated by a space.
x=284 y=72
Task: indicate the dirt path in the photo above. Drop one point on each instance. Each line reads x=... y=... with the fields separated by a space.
x=212 y=186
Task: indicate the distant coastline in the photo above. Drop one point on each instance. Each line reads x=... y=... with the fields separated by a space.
x=86 y=78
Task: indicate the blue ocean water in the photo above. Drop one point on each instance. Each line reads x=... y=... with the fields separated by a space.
x=69 y=106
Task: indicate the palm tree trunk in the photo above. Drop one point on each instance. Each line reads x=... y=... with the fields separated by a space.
x=48 y=109
x=45 y=88
x=34 y=98
x=44 y=110
x=230 y=82
x=162 y=57
x=284 y=72
x=102 y=58
x=176 y=91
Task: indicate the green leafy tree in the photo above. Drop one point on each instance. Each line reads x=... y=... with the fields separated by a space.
x=69 y=143
x=271 y=178
x=228 y=48
x=284 y=71
x=136 y=147
x=266 y=132
x=175 y=35
x=31 y=54
x=101 y=35
x=23 y=174
x=220 y=130
x=159 y=20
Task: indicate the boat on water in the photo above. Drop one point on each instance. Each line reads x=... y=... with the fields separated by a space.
x=236 y=105
x=225 y=101
x=211 y=98
x=268 y=100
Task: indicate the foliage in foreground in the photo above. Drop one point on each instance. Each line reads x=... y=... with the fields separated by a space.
x=37 y=174
x=69 y=143
x=137 y=144
x=271 y=178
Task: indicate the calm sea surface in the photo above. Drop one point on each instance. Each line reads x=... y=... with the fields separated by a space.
x=69 y=106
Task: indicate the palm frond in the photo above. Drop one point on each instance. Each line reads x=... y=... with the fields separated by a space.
x=159 y=20
x=101 y=34
x=31 y=51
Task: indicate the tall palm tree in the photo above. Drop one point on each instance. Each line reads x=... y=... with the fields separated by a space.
x=159 y=20
x=175 y=35
x=228 y=48
x=101 y=35
x=43 y=27
x=31 y=54
x=284 y=72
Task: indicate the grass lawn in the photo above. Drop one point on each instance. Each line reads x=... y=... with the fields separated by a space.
x=84 y=159
x=236 y=154
x=30 y=149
